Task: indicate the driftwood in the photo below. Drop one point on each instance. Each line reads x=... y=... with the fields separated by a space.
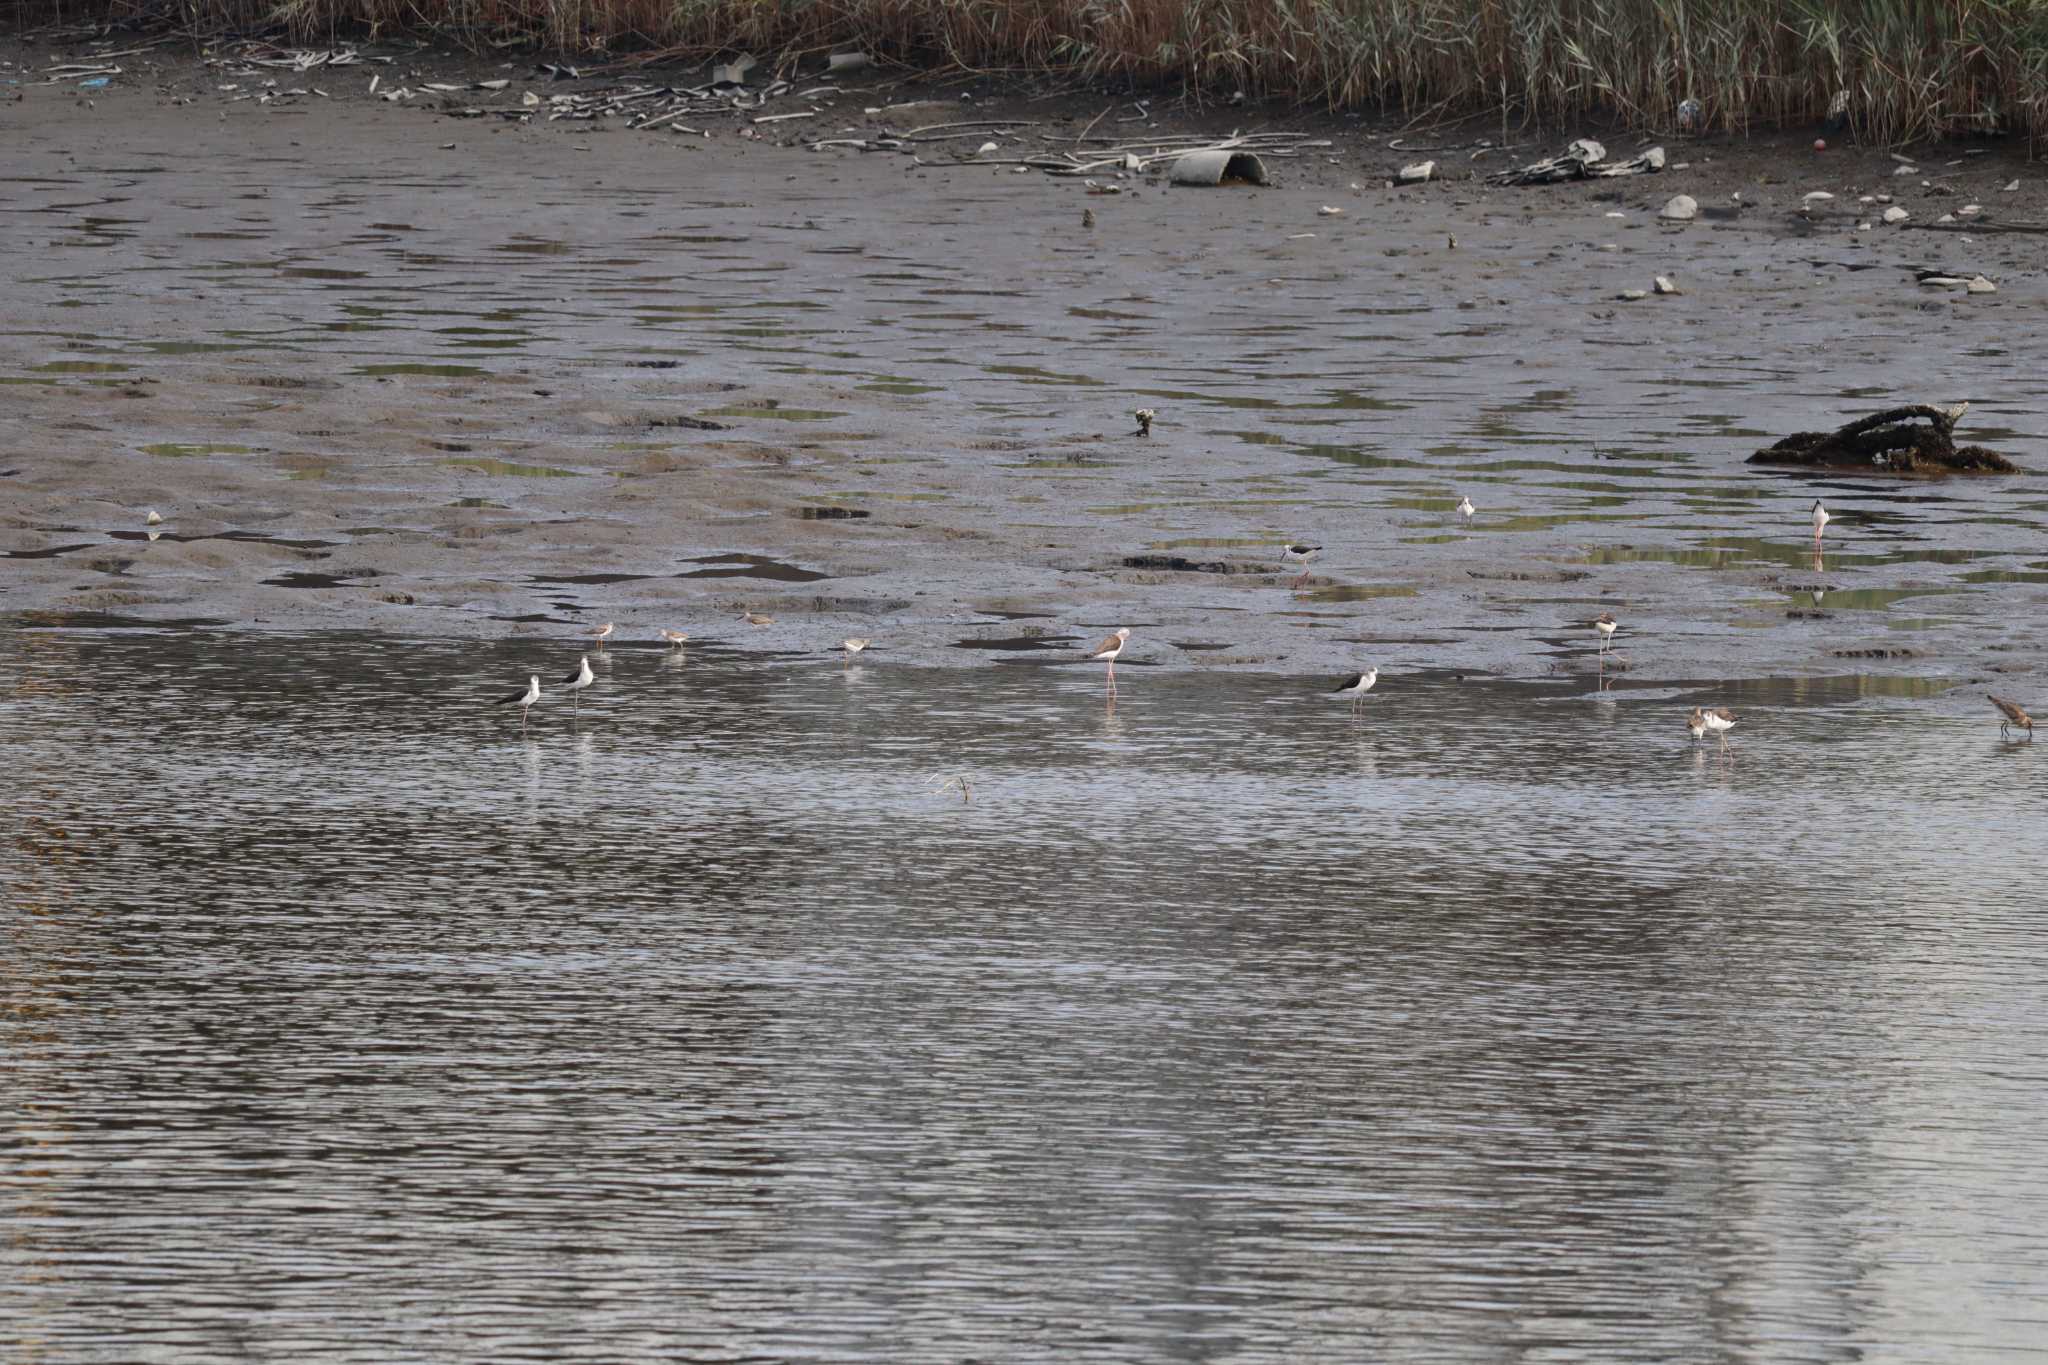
x=1585 y=159
x=1915 y=439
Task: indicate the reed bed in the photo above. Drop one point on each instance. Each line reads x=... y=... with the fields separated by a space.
x=1909 y=69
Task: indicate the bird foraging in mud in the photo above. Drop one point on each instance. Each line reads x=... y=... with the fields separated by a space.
x=1301 y=554
x=1356 y=686
x=1718 y=721
x=1606 y=625
x=2013 y=716
x=675 y=638
x=524 y=699
x=1144 y=416
x=1820 y=520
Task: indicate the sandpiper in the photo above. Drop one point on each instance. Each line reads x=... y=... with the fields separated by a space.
x=1465 y=508
x=577 y=681
x=755 y=618
x=524 y=698
x=1301 y=554
x=2013 y=716
x=600 y=634
x=1820 y=519
x=1110 y=647
x=1718 y=721
x=1356 y=686
x=675 y=638
x=1144 y=416
x=1605 y=624
x=854 y=644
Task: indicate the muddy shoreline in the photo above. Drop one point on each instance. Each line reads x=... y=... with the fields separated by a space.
x=380 y=368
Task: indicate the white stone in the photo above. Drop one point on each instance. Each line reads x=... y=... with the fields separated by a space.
x=1682 y=208
x=1895 y=214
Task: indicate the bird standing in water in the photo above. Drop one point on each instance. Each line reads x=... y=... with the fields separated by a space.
x=524 y=699
x=1110 y=647
x=1820 y=520
x=2013 y=716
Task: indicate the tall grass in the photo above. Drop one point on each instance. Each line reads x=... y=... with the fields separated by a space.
x=1911 y=68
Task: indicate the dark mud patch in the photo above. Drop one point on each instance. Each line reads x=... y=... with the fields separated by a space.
x=687 y=423
x=752 y=566
x=832 y=514
x=1181 y=564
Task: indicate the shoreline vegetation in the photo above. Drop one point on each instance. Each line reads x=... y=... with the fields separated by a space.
x=1892 y=71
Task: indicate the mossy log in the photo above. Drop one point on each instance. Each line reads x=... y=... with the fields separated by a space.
x=1915 y=439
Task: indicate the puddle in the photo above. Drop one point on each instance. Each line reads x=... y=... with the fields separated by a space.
x=506 y=469
x=300 y=578
x=189 y=449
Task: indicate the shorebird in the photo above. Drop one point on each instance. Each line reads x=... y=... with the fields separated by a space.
x=1718 y=721
x=1144 y=416
x=1301 y=554
x=854 y=644
x=1356 y=686
x=755 y=618
x=675 y=638
x=577 y=681
x=1605 y=624
x=1697 y=723
x=1820 y=520
x=1465 y=508
x=524 y=699
x=600 y=634
x=1110 y=647
x=2013 y=716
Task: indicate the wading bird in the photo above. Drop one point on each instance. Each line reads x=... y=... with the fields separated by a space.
x=1110 y=647
x=524 y=699
x=2013 y=716
x=1356 y=686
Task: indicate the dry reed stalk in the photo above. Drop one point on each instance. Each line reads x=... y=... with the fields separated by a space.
x=1911 y=68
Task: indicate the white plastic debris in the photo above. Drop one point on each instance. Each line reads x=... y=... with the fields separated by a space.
x=1980 y=285
x=1633 y=294
x=1816 y=196
x=1417 y=173
x=985 y=148
x=1681 y=208
x=2013 y=188
x=1329 y=212
x=152 y=519
x=1895 y=214
x=1666 y=285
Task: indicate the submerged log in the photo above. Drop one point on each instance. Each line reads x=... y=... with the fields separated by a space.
x=1915 y=439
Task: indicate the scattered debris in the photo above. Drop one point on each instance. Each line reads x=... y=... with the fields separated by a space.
x=1327 y=212
x=1584 y=159
x=1895 y=214
x=1632 y=295
x=1680 y=208
x=1217 y=166
x=1916 y=439
x=1415 y=174
x=1691 y=118
x=1665 y=285
x=2013 y=188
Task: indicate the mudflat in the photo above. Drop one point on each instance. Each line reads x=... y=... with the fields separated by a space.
x=378 y=368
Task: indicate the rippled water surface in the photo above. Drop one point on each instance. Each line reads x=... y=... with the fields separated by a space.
x=342 y=1021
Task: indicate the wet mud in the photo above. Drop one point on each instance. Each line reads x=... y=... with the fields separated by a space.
x=379 y=369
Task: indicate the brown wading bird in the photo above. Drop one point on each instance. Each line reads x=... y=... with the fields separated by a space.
x=2013 y=716
x=755 y=618
x=675 y=638
x=600 y=633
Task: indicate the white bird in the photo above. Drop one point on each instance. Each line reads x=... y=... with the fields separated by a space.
x=1820 y=518
x=1110 y=647
x=1716 y=722
x=1356 y=686
x=854 y=644
x=1465 y=508
x=577 y=681
x=1605 y=624
x=524 y=698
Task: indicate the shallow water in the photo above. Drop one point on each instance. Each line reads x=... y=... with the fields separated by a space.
x=342 y=1020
